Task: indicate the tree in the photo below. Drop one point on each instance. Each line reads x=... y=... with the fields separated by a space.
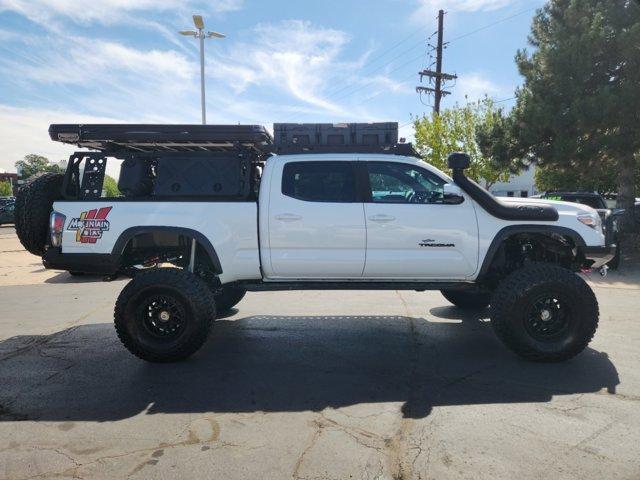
x=110 y=187
x=601 y=178
x=33 y=164
x=456 y=129
x=578 y=108
x=5 y=189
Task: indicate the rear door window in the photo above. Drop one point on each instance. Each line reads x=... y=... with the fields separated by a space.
x=333 y=182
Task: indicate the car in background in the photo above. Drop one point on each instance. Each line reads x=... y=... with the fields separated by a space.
x=7 y=211
x=609 y=216
x=591 y=199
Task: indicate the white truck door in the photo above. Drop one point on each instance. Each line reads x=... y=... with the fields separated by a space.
x=411 y=233
x=316 y=221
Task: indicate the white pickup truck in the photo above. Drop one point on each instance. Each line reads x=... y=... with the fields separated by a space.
x=316 y=218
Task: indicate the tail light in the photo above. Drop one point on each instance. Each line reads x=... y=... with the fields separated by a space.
x=56 y=227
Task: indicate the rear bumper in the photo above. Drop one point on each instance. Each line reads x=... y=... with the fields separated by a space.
x=97 y=263
x=598 y=256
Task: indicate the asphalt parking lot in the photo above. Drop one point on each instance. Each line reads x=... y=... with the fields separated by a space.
x=308 y=385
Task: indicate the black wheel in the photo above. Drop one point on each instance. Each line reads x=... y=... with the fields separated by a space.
x=34 y=203
x=544 y=313
x=228 y=297
x=467 y=298
x=164 y=314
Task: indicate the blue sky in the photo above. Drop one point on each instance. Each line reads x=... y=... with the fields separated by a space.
x=282 y=61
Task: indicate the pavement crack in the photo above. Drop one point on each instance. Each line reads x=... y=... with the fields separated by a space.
x=312 y=441
x=595 y=434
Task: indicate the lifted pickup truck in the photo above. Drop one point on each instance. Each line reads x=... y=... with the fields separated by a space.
x=323 y=207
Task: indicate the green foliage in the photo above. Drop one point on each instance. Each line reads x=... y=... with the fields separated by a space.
x=110 y=187
x=33 y=164
x=456 y=130
x=5 y=189
x=577 y=111
x=602 y=178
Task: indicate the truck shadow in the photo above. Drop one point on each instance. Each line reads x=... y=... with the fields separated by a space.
x=283 y=364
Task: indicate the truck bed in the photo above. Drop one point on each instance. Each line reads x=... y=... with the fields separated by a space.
x=102 y=227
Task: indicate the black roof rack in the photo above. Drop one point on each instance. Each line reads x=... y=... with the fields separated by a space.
x=292 y=138
x=404 y=149
x=164 y=138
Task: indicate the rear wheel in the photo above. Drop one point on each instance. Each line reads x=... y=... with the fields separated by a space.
x=467 y=299
x=164 y=315
x=228 y=296
x=544 y=313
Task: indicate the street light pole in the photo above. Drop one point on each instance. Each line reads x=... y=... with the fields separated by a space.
x=204 y=110
x=201 y=35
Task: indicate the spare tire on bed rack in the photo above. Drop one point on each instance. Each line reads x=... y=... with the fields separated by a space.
x=34 y=203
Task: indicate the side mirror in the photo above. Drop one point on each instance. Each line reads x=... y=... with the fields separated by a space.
x=458 y=161
x=452 y=194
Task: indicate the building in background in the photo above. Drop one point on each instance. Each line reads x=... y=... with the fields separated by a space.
x=521 y=185
x=62 y=164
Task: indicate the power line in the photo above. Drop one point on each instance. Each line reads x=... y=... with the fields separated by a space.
x=504 y=100
x=378 y=57
x=381 y=92
x=332 y=94
x=373 y=81
x=472 y=32
x=383 y=54
x=377 y=69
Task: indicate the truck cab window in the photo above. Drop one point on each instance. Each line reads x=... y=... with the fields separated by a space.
x=403 y=183
x=320 y=181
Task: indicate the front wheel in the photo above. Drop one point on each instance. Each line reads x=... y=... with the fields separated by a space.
x=544 y=313
x=164 y=314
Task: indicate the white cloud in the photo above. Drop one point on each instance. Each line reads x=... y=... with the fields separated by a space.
x=60 y=16
x=106 y=78
x=107 y=12
x=75 y=59
x=474 y=86
x=294 y=64
x=294 y=56
x=25 y=131
x=429 y=8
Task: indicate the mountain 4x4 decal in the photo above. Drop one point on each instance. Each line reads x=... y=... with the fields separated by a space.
x=90 y=225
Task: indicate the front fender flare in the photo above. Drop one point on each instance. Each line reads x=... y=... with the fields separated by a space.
x=516 y=229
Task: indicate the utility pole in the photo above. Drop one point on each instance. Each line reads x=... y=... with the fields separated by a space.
x=436 y=105
x=437 y=76
x=201 y=35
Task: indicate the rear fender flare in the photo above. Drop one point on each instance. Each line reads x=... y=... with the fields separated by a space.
x=129 y=233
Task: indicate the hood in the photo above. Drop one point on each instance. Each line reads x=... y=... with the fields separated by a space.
x=557 y=204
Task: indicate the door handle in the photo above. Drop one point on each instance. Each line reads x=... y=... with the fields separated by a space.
x=288 y=217
x=382 y=218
